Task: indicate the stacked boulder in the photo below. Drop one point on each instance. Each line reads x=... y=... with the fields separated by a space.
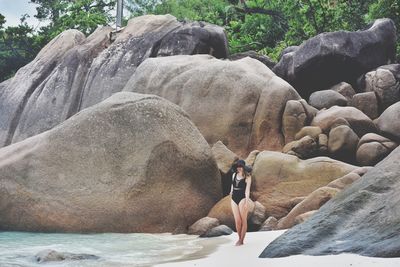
x=73 y=72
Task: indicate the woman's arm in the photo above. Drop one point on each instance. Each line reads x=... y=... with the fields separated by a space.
x=248 y=185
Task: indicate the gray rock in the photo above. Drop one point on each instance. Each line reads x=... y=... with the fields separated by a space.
x=132 y=163
x=49 y=255
x=17 y=91
x=289 y=49
x=330 y=58
x=372 y=148
x=253 y=54
x=383 y=82
x=203 y=225
x=73 y=72
x=326 y=99
x=362 y=219
x=219 y=230
x=359 y=122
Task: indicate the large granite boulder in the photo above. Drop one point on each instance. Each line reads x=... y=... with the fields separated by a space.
x=330 y=58
x=279 y=178
x=73 y=72
x=132 y=163
x=362 y=219
x=237 y=102
x=15 y=92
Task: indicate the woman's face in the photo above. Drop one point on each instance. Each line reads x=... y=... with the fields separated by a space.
x=240 y=169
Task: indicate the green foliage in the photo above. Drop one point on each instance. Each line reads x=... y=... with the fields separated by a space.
x=18 y=46
x=84 y=15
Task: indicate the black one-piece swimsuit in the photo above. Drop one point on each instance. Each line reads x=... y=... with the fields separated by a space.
x=239 y=189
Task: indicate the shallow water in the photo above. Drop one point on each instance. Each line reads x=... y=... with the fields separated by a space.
x=19 y=248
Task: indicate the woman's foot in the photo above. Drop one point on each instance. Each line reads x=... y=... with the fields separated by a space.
x=239 y=243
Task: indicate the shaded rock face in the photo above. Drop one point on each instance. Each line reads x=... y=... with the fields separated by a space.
x=133 y=163
x=372 y=148
x=362 y=219
x=237 y=102
x=73 y=72
x=330 y=58
x=326 y=99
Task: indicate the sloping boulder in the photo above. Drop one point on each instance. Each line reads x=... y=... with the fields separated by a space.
x=313 y=202
x=73 y=72
x=237 y=102
x=278 y=178
x=362 y=219
x=16 y=91
x=330 y=58
x=132 y=163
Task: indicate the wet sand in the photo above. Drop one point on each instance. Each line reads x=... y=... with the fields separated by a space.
x=221 y=251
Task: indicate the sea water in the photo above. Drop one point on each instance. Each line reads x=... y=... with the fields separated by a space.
x=20 y=248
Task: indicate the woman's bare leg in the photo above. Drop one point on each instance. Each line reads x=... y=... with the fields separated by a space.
x=243 y=210
x=238 y=219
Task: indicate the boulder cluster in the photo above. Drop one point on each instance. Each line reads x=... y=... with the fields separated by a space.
x=138 y=133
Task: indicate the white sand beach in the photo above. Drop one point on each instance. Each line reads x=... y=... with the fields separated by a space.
x=227 y=254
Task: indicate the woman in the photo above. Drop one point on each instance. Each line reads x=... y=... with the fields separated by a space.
x=240 y=192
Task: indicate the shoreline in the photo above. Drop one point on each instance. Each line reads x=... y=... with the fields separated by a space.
x=221 y=251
